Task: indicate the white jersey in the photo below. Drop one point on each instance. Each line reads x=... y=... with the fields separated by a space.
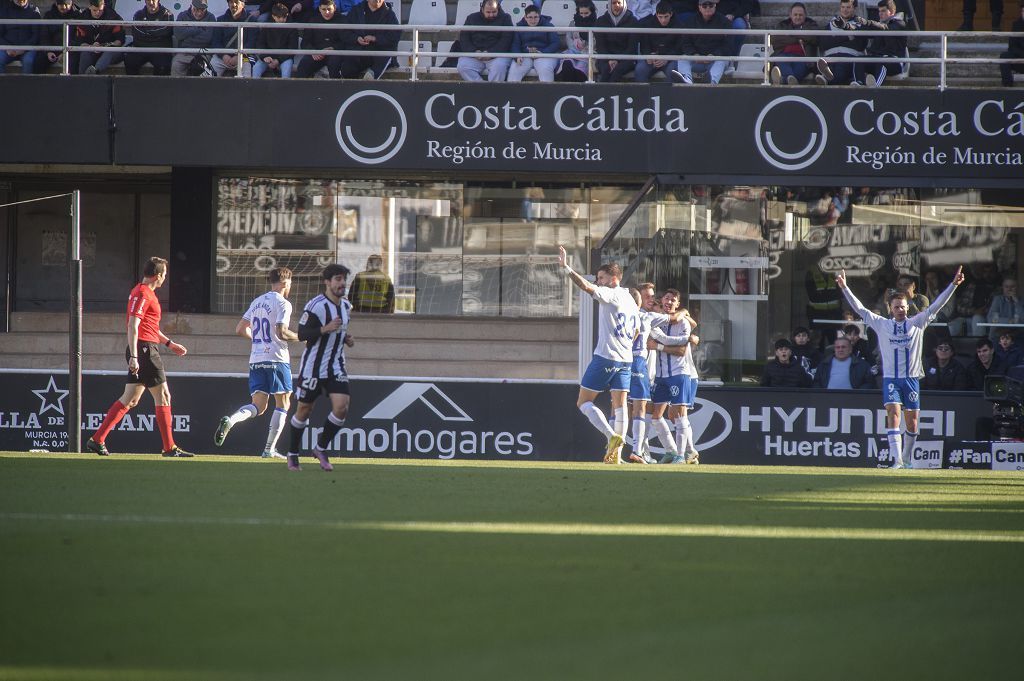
x=648 y=320
x=263 y=315
x=900 y=343
x=618 y=322
x=673 y=334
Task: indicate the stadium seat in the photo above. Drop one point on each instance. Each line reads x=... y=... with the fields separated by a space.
x=396 y=7
x=428 y=13
x=560 y=11
x=602 y=6
x=443 y=48
x=464 y=9
x=750 y=70
x=516 y=7
x=405 y=61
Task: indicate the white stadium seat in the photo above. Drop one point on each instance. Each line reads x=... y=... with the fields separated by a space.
x=464 y=9
x=428 y=13
x=560 y=11
x=405 y=61
x=443 y=47
x=750 y=70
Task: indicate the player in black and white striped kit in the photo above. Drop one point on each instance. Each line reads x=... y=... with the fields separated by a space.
x=324 y=328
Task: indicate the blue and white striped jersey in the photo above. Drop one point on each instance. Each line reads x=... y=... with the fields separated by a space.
x=648 y=320
x=325 y=356
x=618 y=322
x=263 y=315
x=675 y=334
x=900 y=343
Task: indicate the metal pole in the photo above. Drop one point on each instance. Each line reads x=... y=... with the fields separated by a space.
x=73 y=419
x=65 y=56
x=590 y=57
x=239 y=56
x=415 y=58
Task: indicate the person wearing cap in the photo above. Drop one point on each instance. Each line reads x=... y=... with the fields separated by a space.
x=195 y=37
x=942 y=371
x=226 y=37
x=328 y=38
x=99 y=35
x=377 y=13
x=53 y=34
x=284 y=39
x=484 y=43
x=706 y=46
x=782 y=371
x=145 y=37
x=19 y=33
x=618 y=15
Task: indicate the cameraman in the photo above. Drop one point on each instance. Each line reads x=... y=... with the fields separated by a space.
x=843 y=42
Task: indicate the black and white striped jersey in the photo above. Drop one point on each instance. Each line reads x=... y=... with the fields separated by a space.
x=324 y=356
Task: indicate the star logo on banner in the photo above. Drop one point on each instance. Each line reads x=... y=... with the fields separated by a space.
x=51 y=398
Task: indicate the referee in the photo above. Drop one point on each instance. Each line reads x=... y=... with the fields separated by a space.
x=145 y=368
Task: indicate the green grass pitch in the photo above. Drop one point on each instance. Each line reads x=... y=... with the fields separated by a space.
x=219 y=568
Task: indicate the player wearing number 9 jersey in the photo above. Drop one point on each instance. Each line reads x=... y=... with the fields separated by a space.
x=265 y=324
x=618 y=323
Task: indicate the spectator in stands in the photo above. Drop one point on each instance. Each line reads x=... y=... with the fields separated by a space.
x=656 y=41
x=1014 y=49
x=805 y=354
x=916 y=302
x=844 y=370
x=1006 y=307
x=860 y=347
x=284 y=39
x=575 y=70
x=484 y=43
x=943 y=372
x=331 y=38
x=617 y=16
x=377 y=13
x=196 y=37
x=783 y=372
x=645 y=8
x=737 y=12
x=304 y=10
x=533 y=44
x=99 y=35
x=971 y=302
x=1008 y=353
x=19 y=34
x=371 y=289
x=894 y=47
x=932 y=289
x=226 y=37
x=985 y=364
x=792 y=46
x=53 y=34
x=705 y=47
x=145 y=37
x=843 y=42
x=971 y=6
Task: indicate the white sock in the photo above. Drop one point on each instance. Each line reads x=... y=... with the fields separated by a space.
x=621 y=421
x=596 y=418
x=243 y=413
x=895 y=444
x=909 y=440
x=648 y=427
x=277 y=420
x=639 y=435
x=688 y=445
x=682 y=427
x=665 y=435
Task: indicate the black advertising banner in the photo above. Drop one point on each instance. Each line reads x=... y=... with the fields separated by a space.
x=48 y=119
x=581 y=129
x=465 y=420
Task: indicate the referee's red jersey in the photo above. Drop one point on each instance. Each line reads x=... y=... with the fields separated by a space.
x=143 y=303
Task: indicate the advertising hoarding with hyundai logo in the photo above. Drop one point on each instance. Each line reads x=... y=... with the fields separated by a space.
x=466 y=420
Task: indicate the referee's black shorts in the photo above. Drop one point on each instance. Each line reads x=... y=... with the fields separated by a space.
x=151 y=366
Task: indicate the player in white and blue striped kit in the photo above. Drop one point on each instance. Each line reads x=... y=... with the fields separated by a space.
x=900 y=345
x=618 y=323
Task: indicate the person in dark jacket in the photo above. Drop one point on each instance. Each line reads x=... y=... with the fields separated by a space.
x=886 y=46
x=705 y=47
x=196 y=37
x=616 y=16
x=1014 y=50
x=737 y=13
x=53 y=34
x=943 y=372
x=843 y=371
x=19 y=34
x=843 y=41
x=226 y=38
x=329 y=38
x=985 y=364
x=484 y=43
x=804 y=352
x=532 y=45
x=375 y=12
x=284 y=39
x=791 y=72
x=1008 y=353
x=654 y=42
x=783 y=372
x=144 y=37
x=99 y=35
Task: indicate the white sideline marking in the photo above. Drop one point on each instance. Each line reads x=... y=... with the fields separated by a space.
x=557 y=529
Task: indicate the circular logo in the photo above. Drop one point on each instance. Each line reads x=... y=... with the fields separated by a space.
x=791 y=132
x=368 y=121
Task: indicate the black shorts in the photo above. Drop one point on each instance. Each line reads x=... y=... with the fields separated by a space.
x=151 y=366
x=308 y=389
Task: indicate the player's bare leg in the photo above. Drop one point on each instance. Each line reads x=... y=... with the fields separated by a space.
x=335 y=420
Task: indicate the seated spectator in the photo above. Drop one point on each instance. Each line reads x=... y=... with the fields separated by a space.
x=378 y=13
x=99 y=35
x=1014 y=50
x=575 y=70
x=843 y=42
x=969 y=307
x=655 y=41
x=284 y=39
x=783 y=372
x=533 y=44
x=144 y=37
x=907 y=285
x=843 y=371
x=53 y=34
x=371 y=289
x=331 y=38
x=792 y=72
x=1006 y=307
x=305 y=10
x=943 y=372
x=226 y=38
x=196 y=37
x=985 y=364
x=861 y=346
x=705 y=47
x=617 y=16
x=19 y=34
x=737 y=13
x=485 y=42
x=1008 y=353
x=644 y=8
x=808 y=356
x=685 y=9
x=894 y=47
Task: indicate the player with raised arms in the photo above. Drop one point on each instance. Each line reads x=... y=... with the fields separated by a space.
x=900 y=345
x=618 y=323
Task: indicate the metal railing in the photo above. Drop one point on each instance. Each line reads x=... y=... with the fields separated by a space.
x=416 y=56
